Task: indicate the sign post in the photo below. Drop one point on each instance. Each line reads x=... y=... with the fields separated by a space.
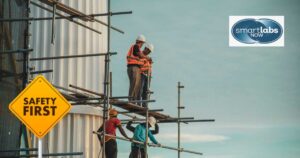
x=40 y=107
x=40 y=148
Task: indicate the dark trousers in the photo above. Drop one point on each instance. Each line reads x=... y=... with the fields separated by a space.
x=144 y=88
x=137 y=153
x=134 y=75
x=111 y=149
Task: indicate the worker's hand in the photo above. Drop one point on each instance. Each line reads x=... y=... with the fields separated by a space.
x=158 y=144
x=150 y=60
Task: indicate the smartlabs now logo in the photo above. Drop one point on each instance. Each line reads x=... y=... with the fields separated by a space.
x=256 y=31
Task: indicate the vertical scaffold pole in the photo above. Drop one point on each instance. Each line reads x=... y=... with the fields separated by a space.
x=106 y=78
x=40 y=149
x=179 y=107
x=53 y=21
x=147 y=130
x=147 y=112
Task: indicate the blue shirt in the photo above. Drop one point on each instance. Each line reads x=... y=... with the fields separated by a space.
x=140 y=135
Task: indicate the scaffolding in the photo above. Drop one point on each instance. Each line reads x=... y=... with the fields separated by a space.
x=81 y=96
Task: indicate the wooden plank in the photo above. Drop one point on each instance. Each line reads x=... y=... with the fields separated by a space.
x=133 y=108
x=71 y=11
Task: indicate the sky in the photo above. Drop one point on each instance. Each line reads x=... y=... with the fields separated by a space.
x=253 y=93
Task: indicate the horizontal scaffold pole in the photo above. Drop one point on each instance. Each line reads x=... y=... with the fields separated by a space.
x=151 y=145
x=18 y=150
x=72 y=56
x=70 y=19
x=16 y=51
x=40 y=72
x=159 y=120
x=135 y=101
x=45 y=155
x=98 y=21
x=169 y=121
x=60 y=17
x=69 y=90
x=139 y=111
x=86 y=90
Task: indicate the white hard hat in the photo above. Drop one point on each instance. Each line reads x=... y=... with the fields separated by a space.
x=152 y=121
x=150 y=46
x=141 y=38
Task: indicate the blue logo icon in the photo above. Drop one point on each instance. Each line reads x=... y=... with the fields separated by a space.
x=252 y=31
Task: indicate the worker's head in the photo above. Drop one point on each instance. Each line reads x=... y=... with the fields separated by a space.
x=151 y=121
x=148 y=48
x=140 y=40
x=113 y=113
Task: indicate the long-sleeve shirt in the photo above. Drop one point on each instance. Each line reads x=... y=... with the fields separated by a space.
x=140 y=135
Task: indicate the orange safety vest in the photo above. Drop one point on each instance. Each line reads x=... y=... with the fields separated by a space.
x=147 y=66
x=131 y=59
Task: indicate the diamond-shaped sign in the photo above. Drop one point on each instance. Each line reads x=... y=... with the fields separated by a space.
x=40 y=106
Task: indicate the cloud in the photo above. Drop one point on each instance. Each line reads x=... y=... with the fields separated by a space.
x=157 y=156
x=193 y=137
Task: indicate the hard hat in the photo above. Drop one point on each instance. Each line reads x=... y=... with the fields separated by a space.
x=113 y=112
x=150 y=46
x=141 y=38
x=152 y=121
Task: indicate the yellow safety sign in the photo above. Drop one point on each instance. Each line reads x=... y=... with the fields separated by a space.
x=40 y=106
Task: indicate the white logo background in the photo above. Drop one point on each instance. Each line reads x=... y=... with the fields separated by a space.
x=234 y=43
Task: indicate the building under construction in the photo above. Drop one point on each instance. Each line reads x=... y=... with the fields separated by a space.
x=69 y=43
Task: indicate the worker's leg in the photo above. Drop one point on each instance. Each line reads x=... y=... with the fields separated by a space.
x=130 y=76
x=111 y=150
x=136 y=82
x=145 y=90
x=134 y=152
x=142 y=88
x=142 y=153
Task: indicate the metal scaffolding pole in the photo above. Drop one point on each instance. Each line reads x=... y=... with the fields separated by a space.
x=152 y=145
x=86 y=90
x=106 y=78
x=53 y=21
x=16 y=51
x=18 y=150
x=61 y=17
x=71 y=18
x=147 y=112
x=45 y=155
x=73 y=56
x=67 y=18
x=179 y=107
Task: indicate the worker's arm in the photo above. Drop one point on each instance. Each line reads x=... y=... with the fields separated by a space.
x=152 y=137
x=156 y=130
x=122 y=131
x=98 y=135
x=130 y=127
x=139 y=53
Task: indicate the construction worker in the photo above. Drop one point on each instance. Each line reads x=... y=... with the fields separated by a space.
x=134 y=62
x=137 y=150
x=146 y=70
x=111 y=150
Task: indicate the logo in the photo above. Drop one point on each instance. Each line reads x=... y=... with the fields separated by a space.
x=256 y=31
x=40 y=106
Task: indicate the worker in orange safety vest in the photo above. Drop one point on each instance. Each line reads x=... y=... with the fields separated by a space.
x=146 y=70
x=134 y=63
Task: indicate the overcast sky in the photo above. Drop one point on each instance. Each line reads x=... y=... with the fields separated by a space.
x=253 y=93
